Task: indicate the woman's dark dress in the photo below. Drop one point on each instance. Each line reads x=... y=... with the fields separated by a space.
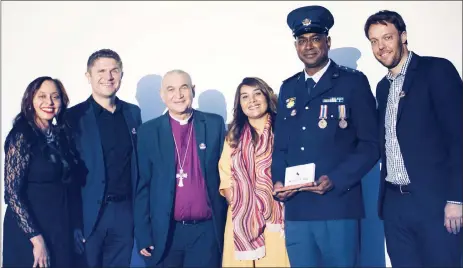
x=37 y=199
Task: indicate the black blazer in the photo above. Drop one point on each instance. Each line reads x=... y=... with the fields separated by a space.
x=81 y=118
x=429 y=130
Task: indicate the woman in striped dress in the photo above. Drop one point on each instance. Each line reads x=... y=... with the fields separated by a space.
x=254 y=235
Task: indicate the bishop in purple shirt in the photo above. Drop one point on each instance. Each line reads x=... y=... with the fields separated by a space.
x=179 y=212
x=191 y=202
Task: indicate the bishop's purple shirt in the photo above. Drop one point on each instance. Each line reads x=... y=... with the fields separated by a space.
x=191 y=201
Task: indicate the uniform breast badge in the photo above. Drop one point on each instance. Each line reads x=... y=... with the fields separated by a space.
x=290 y=103
x=323 y=115
x=342 y=116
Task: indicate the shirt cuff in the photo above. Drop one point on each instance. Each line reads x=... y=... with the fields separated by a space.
x=455 y=202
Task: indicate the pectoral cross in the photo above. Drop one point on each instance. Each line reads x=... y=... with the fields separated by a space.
x=181 y=175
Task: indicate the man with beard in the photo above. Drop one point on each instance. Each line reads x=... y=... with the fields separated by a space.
x=420 y=114
x=327 y=119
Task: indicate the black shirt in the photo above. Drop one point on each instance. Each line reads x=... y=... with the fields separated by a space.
x=117 y=148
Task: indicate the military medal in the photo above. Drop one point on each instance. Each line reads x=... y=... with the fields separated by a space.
x=343 y=123
x=293 y=112
x=323 y=115
x=342 y=116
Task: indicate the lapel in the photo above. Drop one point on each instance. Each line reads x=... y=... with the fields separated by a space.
x=382 y=95
x=199 y=125
x=302 y=96
x=131 y=123
x=90 y=133
x=409 y=79
x=167 y=146
x=325 y=82
x=132 y=129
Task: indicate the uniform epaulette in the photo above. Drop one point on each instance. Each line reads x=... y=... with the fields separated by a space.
x=349 y=70
x=292 y=77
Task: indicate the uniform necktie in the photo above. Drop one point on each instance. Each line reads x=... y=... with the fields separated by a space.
x=309 y=84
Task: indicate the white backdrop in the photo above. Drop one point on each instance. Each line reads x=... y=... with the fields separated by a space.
x=218 y=43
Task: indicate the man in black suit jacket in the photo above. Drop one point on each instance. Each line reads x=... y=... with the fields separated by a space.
x=420 y=115
x=105 y=133
x=179 y=212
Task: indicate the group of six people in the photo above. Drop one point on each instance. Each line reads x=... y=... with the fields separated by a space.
x=83 y=183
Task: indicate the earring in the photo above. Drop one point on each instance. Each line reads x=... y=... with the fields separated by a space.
x=54 y=122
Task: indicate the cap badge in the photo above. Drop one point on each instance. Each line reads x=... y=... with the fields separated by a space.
x=306 y=22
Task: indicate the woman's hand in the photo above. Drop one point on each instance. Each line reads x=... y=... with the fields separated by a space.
x=228 y=193
x=40 y=251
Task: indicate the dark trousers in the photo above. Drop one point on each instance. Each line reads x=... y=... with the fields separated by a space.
x=413 y=240
x=111 y=243
x=331 y=243
x=190 y=245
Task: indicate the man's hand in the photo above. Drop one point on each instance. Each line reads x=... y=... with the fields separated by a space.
x=78 y=241
x=321 y=186
x=284 y=195
x=453 y=218
x=147 y=251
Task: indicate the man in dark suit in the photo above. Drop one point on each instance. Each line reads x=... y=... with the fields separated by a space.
x=179 y=213
x=420 y=116
x=105 y=132
x=326 y=117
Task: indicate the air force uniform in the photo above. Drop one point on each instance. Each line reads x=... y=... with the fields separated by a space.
x=333 y=124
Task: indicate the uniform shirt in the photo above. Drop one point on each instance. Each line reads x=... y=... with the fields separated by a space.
x=117 y=148
x=318 y=75
x=396 y=171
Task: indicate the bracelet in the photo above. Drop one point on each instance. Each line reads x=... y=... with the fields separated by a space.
x=455 y=202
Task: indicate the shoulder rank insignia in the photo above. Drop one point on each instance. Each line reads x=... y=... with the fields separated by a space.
x=350 y=70
x=297 y=75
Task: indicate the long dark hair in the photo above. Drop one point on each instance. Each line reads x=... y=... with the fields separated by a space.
x=240 y=119
x=27 y=108
x=25 y=121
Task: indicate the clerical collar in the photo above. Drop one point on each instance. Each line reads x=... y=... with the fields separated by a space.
x=184 y=121
x=318 y=75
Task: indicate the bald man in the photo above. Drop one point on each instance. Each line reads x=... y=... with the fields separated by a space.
x=179 y=214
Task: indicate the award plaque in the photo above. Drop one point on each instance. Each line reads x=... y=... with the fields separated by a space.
x=298 y=176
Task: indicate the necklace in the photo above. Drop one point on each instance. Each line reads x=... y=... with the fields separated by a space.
x=49 y=136
x=181 y=174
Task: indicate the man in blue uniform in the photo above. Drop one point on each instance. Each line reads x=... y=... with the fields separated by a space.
x=419 y=104
x=326 y=117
